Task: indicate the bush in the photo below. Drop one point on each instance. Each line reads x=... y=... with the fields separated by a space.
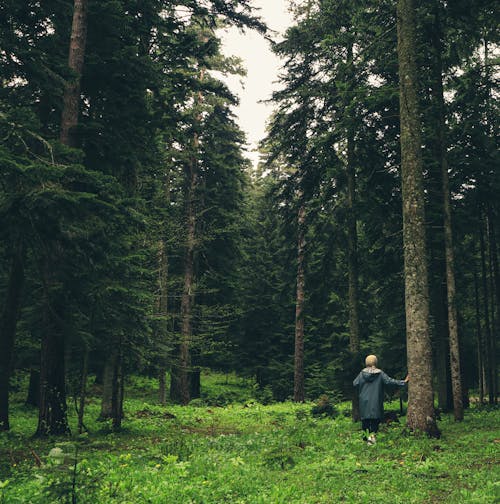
x=324 y=408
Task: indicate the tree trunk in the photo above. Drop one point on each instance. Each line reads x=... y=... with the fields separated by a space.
x=162 y=312
x=298 y=377
x=71 y=97
x=117 y=390
x=456 y=374
x=83 y=389
x=162 y=386
x=352 y=232
x=188 y=289
x=195 y=383
x=182 y=379
x=496 y=306
x=33 y=397
x=175 y=391
x=163 y=303
x=52 y=413
x=420 y=414
x=107 y=385
x=479 y=338
x=487 y=357
x=352 y=254
x=8 y=324
x=52 y=418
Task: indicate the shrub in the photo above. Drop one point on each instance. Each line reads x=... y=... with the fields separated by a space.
x=324 y=408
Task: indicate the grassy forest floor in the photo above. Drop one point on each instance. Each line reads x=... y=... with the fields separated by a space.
x=246 y=452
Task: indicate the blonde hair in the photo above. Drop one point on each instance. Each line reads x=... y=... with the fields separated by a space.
x=371 y=361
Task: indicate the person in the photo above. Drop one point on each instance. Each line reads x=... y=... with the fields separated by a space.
x=370 y=382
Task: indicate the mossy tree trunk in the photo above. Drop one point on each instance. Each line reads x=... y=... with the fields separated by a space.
x=421 y=414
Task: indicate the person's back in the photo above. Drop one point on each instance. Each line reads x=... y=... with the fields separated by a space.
x=370 y=382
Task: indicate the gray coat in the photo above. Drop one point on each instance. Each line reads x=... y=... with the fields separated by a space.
x=370 y=383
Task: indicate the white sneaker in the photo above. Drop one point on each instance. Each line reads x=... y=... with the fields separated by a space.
x=371 y=440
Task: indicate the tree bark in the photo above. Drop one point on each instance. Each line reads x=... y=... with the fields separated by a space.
x=162 y=312
x=480 y=365
x=188 y=288
x=107 y=385
x=352 y=232
x=487 y=357
x=8 y=324
x=352 y=245
x=83 y=389
x=117 y=390
x=496 y=299
x=456 y=374
x=71 y=97
x=52 y=417
x=298 y=376
x=180 y=375
x=420 y=414
x=163 y=298
x=33 y=397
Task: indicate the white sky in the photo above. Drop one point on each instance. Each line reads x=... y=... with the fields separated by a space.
x=262 y=70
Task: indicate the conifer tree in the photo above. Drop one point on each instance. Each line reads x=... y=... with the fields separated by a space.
x=421 y=405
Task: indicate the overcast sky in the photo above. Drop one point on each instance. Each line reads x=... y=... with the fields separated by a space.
x=262 y=70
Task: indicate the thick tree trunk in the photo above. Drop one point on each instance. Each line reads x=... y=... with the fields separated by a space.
x=8 y=324
x=420 y=414
x=52 y=418
x=71 y=98
x=298 y=376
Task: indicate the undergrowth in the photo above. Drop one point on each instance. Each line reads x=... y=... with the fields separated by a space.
x=246 y=452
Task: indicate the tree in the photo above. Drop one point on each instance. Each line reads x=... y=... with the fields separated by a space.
x=8 y=323
x=71 y=98
x=421 y=405
x=298 y=387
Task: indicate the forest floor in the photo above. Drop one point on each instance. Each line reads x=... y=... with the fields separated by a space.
x=246 y=452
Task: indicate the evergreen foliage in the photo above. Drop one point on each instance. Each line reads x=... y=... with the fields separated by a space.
x=151 y=231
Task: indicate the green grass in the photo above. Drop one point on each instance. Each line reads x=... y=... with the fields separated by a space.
x=247 y=453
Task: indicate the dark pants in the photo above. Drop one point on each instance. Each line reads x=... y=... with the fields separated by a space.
x=370 y=424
